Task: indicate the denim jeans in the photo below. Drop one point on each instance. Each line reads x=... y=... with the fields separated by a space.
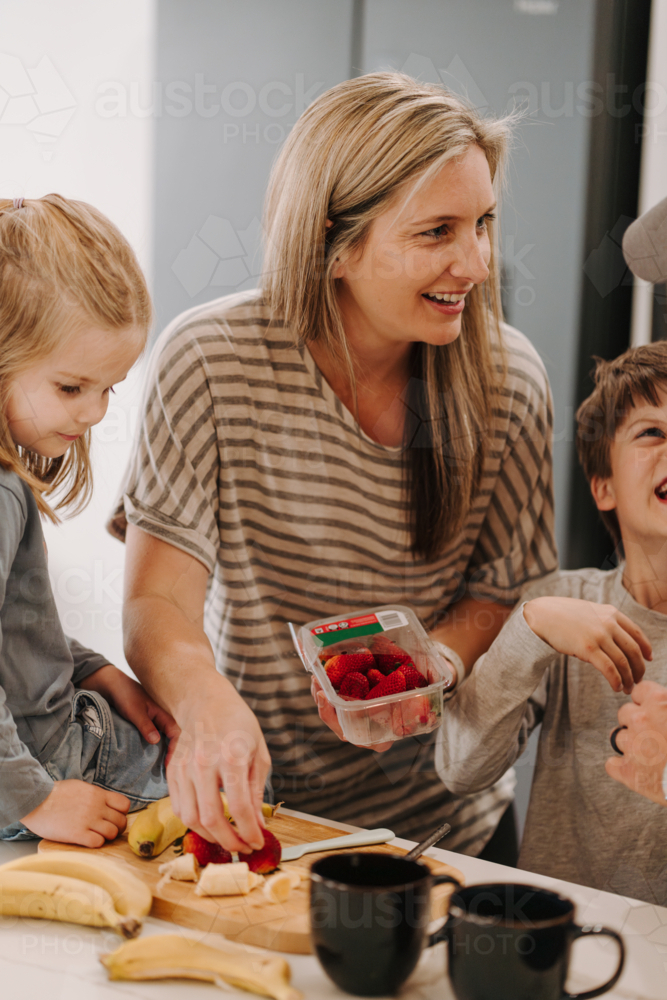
x=104 y=749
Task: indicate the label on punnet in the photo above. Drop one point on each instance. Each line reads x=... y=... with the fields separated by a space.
x=349 y=628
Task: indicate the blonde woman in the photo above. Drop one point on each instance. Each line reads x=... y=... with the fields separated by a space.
x=362 y=430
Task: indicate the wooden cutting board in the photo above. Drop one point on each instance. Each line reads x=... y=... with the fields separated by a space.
x=250 y=919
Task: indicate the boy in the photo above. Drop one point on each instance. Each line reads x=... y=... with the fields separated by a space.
x=570 y=650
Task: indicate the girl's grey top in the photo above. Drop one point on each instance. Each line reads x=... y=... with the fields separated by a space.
x=582 y=826
x=39 y=665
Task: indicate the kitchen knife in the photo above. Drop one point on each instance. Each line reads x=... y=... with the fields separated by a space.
x=360 y=839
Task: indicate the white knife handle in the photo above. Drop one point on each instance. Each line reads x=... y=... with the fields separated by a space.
x=360 y=839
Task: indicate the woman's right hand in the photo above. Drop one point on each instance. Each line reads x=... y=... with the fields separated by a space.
x=220 y=745
x=327 y=714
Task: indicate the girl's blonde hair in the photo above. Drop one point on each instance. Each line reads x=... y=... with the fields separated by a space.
x=60 y=261
x=345 y=160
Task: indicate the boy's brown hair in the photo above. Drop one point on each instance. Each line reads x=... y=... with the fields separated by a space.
x=637 y=374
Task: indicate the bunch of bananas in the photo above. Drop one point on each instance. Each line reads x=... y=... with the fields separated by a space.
x=156 y=827
x=77 y=887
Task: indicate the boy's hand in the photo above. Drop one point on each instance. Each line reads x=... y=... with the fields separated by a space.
x=132 y=702
x=643 y=742
x=600 y=634
x=78 y=813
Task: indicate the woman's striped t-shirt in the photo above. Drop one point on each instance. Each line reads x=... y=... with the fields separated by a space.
x=247 y=460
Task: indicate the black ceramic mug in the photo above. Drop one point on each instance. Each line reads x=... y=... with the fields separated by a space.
x=512 y=942
x=369 y=914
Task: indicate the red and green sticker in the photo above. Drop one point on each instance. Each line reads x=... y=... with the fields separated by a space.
x=349 y=628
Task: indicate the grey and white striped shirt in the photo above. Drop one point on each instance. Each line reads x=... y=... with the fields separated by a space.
x=248 y=461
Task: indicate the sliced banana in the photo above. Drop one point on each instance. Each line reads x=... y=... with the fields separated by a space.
x=231 y=879
x=278 y=887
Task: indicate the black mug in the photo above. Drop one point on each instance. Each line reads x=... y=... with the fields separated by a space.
x=513 y=942
x=369 y=914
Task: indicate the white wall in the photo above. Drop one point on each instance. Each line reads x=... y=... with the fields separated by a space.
x=653 y=187
x=54 y=60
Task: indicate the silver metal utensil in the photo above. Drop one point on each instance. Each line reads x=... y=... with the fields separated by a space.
x=438 y=834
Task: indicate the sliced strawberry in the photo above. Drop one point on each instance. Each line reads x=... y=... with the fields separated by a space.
x=206 y=852
x=267 y=858
x=393 y=684
x=413 y=679
x=374 y=677
x=354 y=685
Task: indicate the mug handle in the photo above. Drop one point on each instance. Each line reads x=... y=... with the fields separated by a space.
x=441 y=933
x=607 y=932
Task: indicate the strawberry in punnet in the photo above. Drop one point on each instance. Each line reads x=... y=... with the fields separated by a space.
x=345 y=663
x=381 y=643
x=206 y=852
x=413 y=679
x=267 y=858
x=388 y=662
x=393 y=684
x=354 y=685
x=374 y=677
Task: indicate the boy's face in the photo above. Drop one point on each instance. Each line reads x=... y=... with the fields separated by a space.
x=637 y=487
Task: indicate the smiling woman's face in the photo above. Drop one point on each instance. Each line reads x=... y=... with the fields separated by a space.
x=428 y=244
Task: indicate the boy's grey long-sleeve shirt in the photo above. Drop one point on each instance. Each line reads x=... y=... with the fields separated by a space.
x=582 y=826
x=39 y=666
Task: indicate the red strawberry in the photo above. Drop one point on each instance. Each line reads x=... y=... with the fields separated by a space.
x=393 y=684
x=345 y=663
x=383 y=644
x=267 y=858
x=354 y=685
x=205 y=852
x=413 y=679
x=387 y=662
x=374 y=677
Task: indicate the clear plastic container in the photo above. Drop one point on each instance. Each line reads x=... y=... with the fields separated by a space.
x=389 y=717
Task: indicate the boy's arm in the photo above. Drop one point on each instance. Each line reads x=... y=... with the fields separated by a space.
x=598 y=634
x=486 y=724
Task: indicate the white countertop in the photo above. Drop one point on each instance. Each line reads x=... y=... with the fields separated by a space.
x=45 y=960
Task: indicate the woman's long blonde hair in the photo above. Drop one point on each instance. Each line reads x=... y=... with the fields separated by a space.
x=344 y=161
x=61 y=261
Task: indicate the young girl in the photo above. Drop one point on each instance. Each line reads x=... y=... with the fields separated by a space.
x=78 y=738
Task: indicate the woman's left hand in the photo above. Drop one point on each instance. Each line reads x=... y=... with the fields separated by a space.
x=327 y=714
x=132 y=702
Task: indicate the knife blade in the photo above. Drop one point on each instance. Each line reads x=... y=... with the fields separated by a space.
x=361 y=839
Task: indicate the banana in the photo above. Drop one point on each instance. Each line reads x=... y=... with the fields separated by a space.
x=231 y=879
x=156 y=827
x=130 y=896
x=267 y=809
x=57 y=897
x=169 y=956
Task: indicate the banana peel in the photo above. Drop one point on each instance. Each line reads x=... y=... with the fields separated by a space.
x=169 y=956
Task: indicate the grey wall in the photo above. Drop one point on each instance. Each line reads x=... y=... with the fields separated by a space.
x=261 y=62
